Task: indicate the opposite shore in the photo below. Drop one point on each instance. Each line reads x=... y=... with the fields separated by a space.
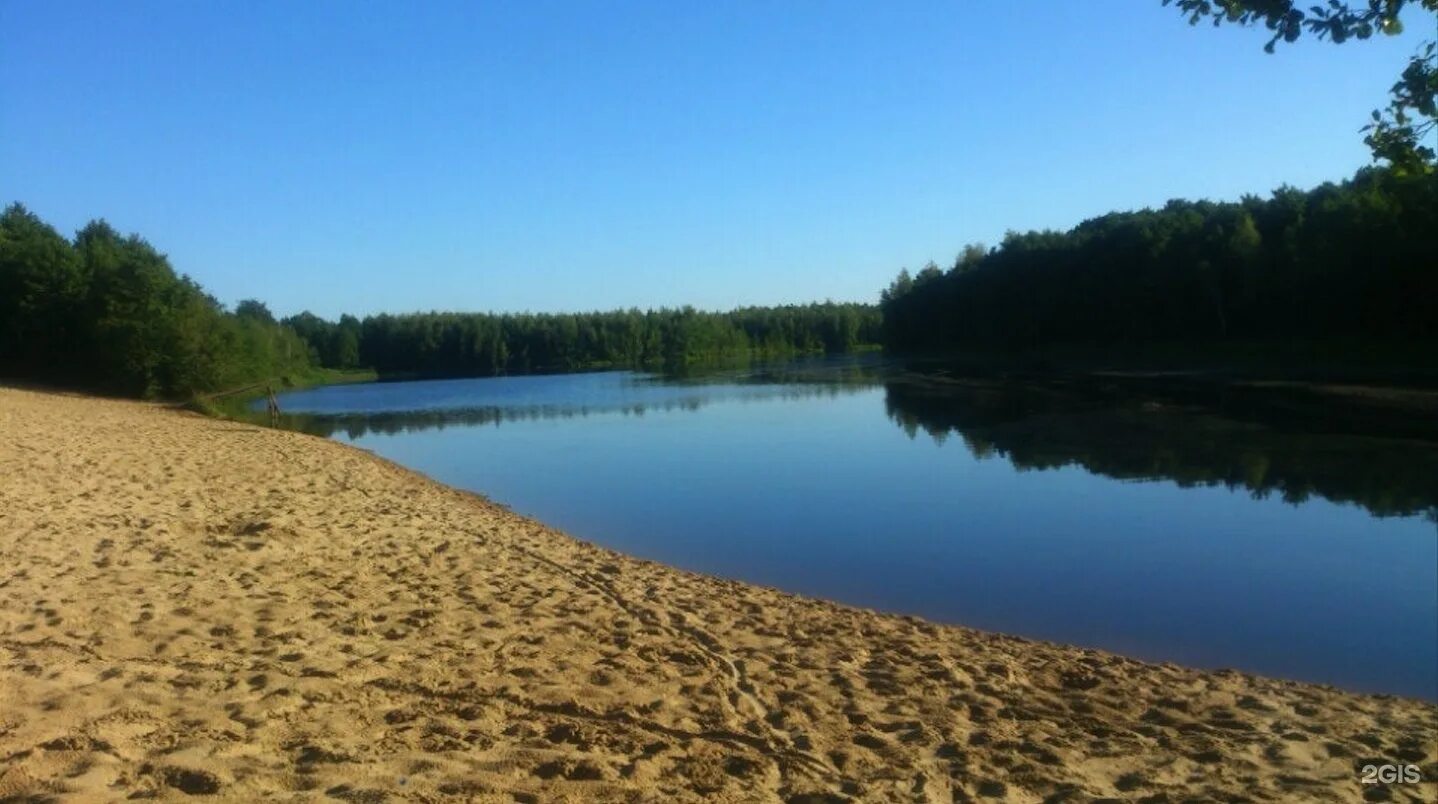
x=197 y=606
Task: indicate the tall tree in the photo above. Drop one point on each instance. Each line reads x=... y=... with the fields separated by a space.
x=256 y=310
x=40 y=285
x=108 y=313
x=1352 y=262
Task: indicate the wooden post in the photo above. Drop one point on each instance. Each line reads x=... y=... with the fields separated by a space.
x=273 y=405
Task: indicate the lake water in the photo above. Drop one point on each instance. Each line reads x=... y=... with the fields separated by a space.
x=1158 y=528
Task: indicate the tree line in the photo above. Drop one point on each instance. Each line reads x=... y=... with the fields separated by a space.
x=486 y=344
x=106 y=312
x=1342 y=261
x=1356 y=261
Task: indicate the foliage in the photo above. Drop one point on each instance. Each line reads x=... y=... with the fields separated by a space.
x=331 y=345
x=1397 y=135
x=485 y=344
x=1401 y=133
x=107 y=313
x=1357 y=259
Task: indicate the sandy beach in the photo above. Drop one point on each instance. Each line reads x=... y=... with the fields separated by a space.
x=191 y=606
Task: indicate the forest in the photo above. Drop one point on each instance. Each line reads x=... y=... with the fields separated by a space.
x=107 y=312
x=486 y=344
x=1356 y=260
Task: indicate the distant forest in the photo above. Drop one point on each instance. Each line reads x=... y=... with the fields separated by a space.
x=1342 y=261
x=486 y=344
x=1356 y=261
x=106 y=312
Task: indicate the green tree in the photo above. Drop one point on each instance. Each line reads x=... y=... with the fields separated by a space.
x=126 y=307
x=40 y=286
x=256 y=310
x=970 y=257
x=108 y=313
x=346 y=353
x=1351 y=261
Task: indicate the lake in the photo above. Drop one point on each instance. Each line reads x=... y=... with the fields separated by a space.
x=1203 y=531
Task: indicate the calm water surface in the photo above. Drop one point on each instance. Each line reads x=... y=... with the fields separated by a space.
x=1159 y=530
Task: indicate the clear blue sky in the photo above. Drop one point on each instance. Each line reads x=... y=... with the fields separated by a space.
x=366 y=156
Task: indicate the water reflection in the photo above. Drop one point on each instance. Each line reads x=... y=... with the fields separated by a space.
x=1147 y=437
x=1268 y=441
x=390 y=422
x=797 y=477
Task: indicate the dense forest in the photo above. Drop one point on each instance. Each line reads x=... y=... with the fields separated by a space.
x=106 y=312
x=1356 y=261
x=473 y=344
x=1351 y=260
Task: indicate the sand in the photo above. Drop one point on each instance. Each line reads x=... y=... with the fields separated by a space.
x=197 y=607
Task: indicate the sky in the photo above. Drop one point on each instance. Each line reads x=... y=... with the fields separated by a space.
x=369 y=157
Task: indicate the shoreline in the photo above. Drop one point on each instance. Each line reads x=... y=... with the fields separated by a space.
x=535 y=522
x=287 y=615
